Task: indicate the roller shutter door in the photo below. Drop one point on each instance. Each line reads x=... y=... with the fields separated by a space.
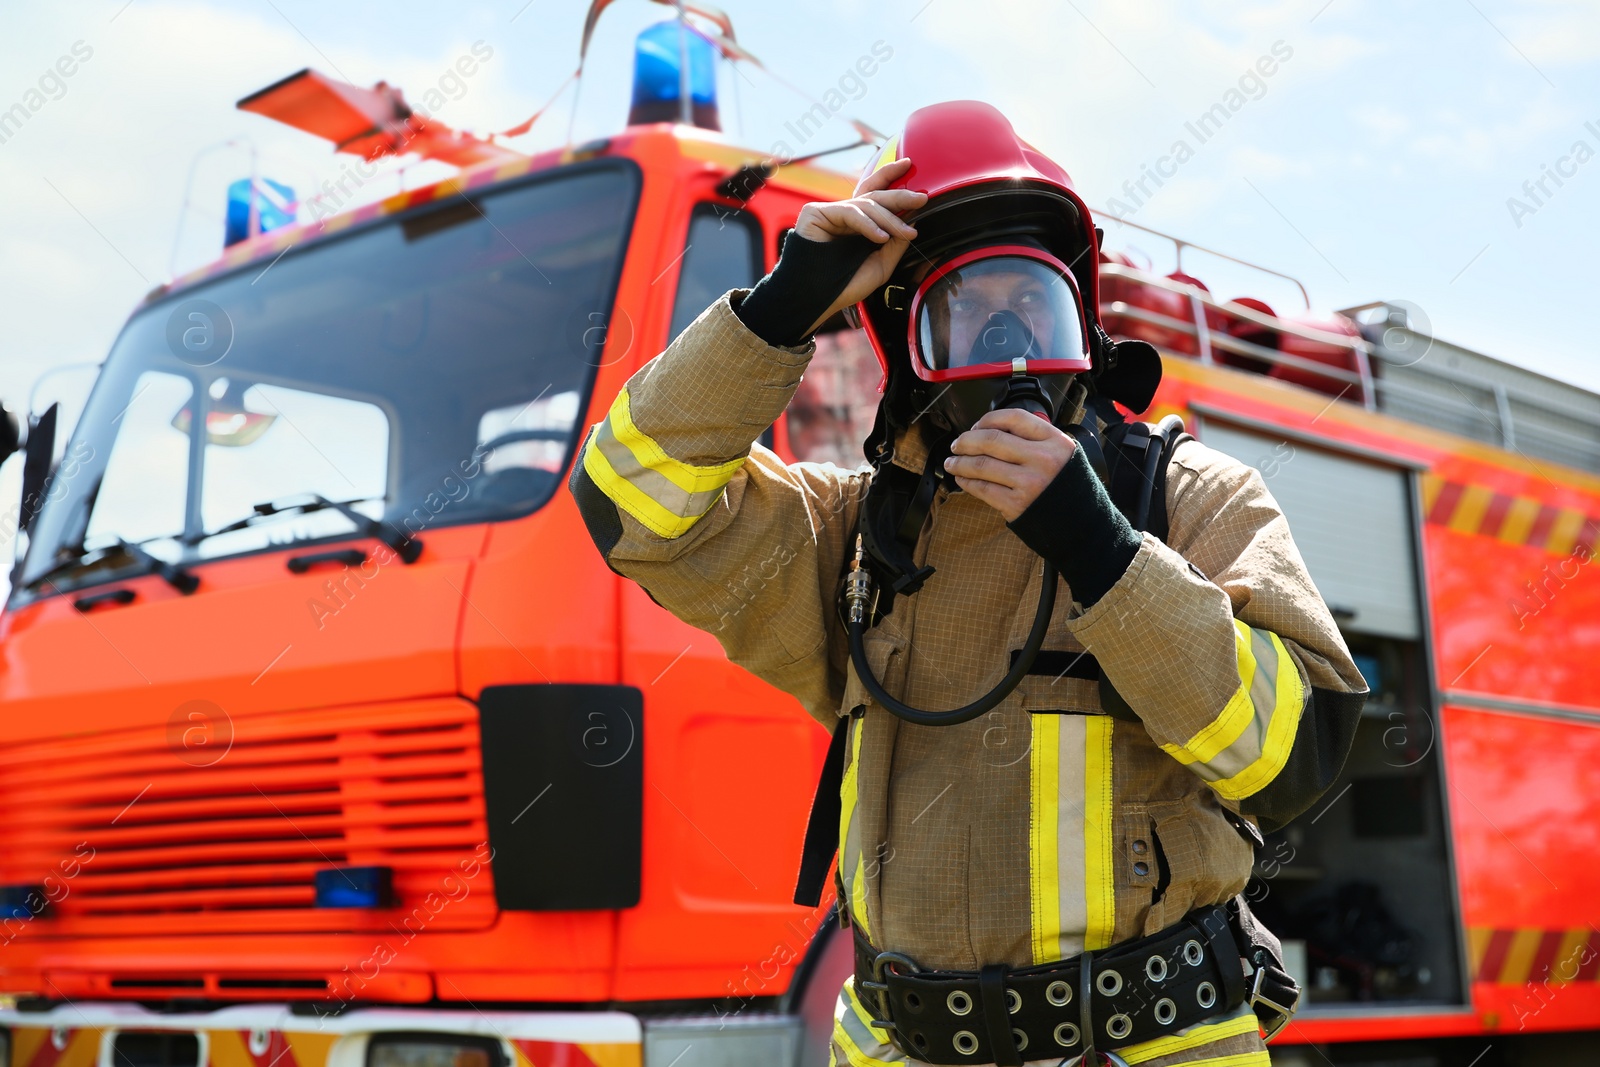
x=1350 y=519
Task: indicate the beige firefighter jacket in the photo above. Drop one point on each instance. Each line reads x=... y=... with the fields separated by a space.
x=1045 y=826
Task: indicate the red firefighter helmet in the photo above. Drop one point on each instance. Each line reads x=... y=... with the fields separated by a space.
x=1002 y=278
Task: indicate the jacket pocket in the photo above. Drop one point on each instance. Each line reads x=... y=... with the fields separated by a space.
x=1205 y=859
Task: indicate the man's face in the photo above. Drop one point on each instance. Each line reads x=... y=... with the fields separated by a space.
x=975 y=300
x=996 y=310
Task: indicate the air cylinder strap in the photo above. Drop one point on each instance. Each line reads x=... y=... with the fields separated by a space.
x=822 y=828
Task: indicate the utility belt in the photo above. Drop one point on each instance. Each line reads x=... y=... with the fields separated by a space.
x=1086 y=1005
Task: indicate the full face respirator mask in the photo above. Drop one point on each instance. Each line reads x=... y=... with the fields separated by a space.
x=1000 y=325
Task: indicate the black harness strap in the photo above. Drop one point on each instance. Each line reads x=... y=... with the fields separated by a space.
x=822 y=827
x=1058 y=663
x=892 y=514
x=1138 y=456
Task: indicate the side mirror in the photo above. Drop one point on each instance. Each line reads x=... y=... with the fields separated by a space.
x=10 y=435
x=36 y=464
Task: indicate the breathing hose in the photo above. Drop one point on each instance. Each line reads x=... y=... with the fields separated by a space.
x=1023 y=392
x=858 y=597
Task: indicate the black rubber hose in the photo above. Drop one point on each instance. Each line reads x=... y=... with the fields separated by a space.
x=955 y=716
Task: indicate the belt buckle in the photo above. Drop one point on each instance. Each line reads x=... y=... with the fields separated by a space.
x=880 y=989
x=1284 y=1013
x=1102 y=1059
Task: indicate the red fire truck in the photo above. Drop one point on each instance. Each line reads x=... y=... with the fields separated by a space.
x=331 y=742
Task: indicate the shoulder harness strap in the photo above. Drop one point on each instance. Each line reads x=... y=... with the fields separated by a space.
x=1137 y=456
x=892 y=513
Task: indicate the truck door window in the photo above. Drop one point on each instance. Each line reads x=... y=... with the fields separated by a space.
x=832 y=410
x=723 y=252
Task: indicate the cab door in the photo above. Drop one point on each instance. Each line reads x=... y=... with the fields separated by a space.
x=730 y=762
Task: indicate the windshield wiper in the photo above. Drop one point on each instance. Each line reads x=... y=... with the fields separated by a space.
x=407 y=548
x=174 y=574
x=270 y=508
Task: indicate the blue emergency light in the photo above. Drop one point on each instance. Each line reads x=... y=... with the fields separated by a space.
x=355 y=887
x=275 y=207
x=657 y=76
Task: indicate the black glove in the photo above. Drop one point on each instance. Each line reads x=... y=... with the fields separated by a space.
x=1074 y=525
x=809 y=277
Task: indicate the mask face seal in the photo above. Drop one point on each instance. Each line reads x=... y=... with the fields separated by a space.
x=990 y=319
x=976 y=315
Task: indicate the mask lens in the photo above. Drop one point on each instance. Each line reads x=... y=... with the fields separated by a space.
x=992 y=311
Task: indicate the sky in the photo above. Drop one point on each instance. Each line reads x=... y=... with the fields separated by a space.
x=1399 y=150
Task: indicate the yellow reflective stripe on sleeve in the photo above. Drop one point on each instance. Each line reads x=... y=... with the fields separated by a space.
x=1236 y=715
x=667 y=496
x=1247 y=745
x=1194 y=1037
x=1099 y=885
x=1280 y=737
x=852 y=859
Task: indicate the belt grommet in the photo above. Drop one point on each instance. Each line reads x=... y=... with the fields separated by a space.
x=1166 y=1011
x=1020 y=1038
x=1119 y=1026
x=1205 y=994
x=1067 y=1035
x=965 y=1041
x=1155 y=968
x=1108 y=982
x=1193 y=954
x=1058 y=993
x=959 y=1002
x=1013 y=1001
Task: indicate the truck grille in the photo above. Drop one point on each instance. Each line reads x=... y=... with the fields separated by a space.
x=126 y=834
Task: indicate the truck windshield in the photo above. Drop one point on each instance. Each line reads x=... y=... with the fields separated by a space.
x=428 y=369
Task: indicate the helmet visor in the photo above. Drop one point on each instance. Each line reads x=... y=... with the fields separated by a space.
x=979 y=314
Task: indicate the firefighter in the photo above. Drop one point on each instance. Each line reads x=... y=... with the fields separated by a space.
x=1044 y=806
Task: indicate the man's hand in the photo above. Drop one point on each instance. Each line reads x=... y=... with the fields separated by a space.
x=1007 y=459
x=874 y=213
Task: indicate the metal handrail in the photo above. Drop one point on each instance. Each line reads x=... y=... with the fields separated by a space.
x=1234 y=344
x=1179 y=244
x=1238 y=311
x=1373 y=385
